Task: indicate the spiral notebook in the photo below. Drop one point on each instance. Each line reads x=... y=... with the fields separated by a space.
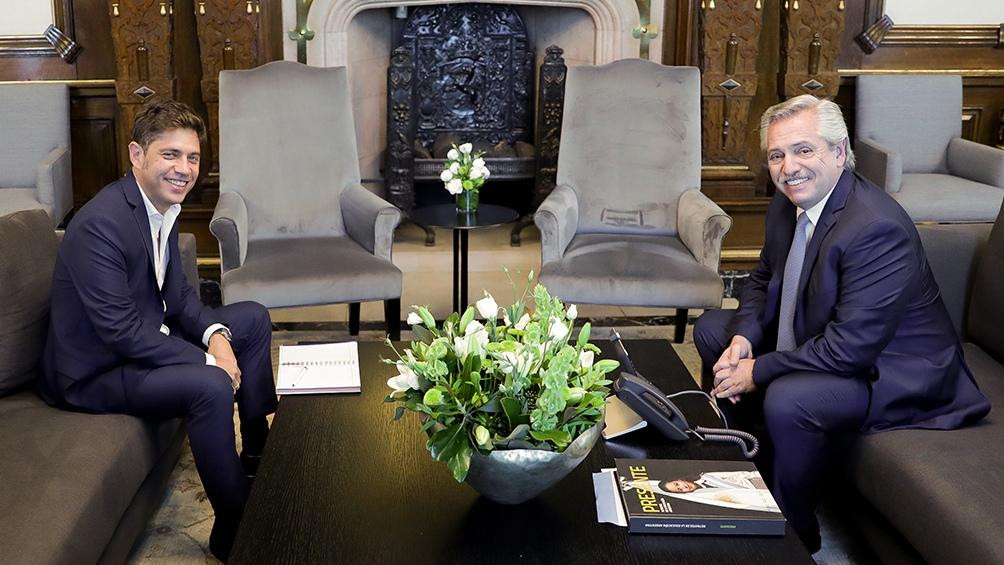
x=318 y=369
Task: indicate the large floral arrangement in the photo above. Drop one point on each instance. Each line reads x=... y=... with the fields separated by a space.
x=508 y=382
x=464 y=169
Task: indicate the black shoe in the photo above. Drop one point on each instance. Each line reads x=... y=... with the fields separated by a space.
x=221 y=539
x=811 y=540
x=250 y=464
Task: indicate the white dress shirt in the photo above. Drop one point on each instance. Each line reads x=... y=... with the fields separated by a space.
x=160 y=228
x=814 y=213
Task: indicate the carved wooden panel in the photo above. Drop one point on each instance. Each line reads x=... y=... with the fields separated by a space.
x=728 y=47
x=142 y=34
x=230 y=37
x=810 y=43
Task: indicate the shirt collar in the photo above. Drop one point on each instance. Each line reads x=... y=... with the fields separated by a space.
x=152 y=211
x=817 y=210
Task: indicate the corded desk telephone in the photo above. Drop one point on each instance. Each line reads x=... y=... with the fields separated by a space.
x=658 y=410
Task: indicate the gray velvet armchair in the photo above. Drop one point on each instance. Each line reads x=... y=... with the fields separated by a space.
x=908 y=141
x=627 y=223
x=35 y=158
x=295 y=225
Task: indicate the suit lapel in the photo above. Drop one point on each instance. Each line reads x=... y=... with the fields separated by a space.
x=834 y=206
x=132 y=196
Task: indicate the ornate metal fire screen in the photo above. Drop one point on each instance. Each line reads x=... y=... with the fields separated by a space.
x=463 y=73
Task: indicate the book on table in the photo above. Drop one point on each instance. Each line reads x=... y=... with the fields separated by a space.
x=318 y=369
x=696 y=497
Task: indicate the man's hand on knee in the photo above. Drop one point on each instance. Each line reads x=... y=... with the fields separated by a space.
x=220 y=348
x=739 y=348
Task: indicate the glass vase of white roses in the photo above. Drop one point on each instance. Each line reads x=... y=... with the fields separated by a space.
x=464 y=174
x=509 y=404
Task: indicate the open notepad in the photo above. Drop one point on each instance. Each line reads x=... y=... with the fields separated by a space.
x=318 y=369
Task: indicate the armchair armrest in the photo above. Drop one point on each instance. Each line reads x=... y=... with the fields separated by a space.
x=879 y=164
x=230 y=226
x=53 y=183
x=702 y=226
x=557 y=218
x=369 y=220
x=976 y=162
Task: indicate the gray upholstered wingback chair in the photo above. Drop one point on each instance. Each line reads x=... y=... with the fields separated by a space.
x=627 y=223
x=294 y=223
x=908 y=141
x=35 y=155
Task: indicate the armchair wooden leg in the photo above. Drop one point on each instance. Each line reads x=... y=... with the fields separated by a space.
x=353 y=318
x=681 y=325
x=392 y=314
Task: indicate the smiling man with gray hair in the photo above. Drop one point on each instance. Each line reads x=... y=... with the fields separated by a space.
x=841 y=329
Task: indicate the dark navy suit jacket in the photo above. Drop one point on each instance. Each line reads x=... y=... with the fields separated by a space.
x=868 y=307
x=106 y=307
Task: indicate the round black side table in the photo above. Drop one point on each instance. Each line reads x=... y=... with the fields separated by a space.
x=447 y=216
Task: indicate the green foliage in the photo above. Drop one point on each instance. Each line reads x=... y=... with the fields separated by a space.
x=488 y=383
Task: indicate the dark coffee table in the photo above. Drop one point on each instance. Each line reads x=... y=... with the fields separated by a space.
x=342 y=483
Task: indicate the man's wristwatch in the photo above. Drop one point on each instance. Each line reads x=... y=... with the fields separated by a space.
x=225 y=332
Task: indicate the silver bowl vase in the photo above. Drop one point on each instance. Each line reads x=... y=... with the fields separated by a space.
x=512 y=476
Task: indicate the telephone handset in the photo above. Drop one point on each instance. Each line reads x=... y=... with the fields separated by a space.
x=658 y=410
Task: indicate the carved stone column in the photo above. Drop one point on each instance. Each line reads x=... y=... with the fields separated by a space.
x=810 y=43
x=230 y=37
x=400 y=130
x=729 y=40
x=142 y=35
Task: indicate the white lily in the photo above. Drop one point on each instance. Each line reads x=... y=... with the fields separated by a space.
x=573 y=312
x=446 y=176
x=522 y=322
x=487 y=307
x=405 y=380
x=586 y=359
x=466 y=148
x=453 y=155
x=558 y=330
x=455 y=186
x=414 y=319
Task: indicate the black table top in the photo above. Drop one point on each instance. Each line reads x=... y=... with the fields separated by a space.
x=340 y=482
x=447 y=216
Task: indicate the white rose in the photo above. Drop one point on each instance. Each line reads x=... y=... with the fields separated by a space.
x=454 y=168
x=586 y=359
x=476 y=172
x=478 y=163
x=573 y=312
x=414 y=319
x=446 y=176
x=455 y=186
x=453 y=155
x=406 y=379
x=522 y=322
x=487 y=307
x=485 y=173
x=558 y=330
x=466 y=148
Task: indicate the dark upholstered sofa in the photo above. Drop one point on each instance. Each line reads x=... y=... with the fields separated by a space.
x=74 y=488
x=938 y=496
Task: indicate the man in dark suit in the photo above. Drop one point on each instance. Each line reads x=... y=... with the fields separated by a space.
x=841 y=328
x=128 y=334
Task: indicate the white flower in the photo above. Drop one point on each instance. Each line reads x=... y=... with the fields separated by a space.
x=522 y=322
x=455 y=186
x=487 y=307
x=446 y=176
x=476 y=172
x=478 y=163
x=485 y=173
x=466 y=148
x=454 y=167
x=406 y=379
x=475 y=332
x=573 y=312
x=453 y=155
x=505 y=317
x=558 y=330
x=586 y=359
x=414 y=319
x=519 y=363
x=460 y=347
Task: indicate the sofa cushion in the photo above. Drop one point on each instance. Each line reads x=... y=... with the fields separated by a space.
x=986 y=303
x=942 y=489
x=27 y=258
x=68 y=477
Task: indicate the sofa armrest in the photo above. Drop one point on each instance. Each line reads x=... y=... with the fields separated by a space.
x=369 y=220
x=557 y=218
x=879 y=164
x=953 y=251
x=702 y=226
x=230 y=226
x=976 y=162
x=189 y=259
x=53 y=183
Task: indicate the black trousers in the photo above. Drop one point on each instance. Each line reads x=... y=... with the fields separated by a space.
x=805 y=416
x=204 y=397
